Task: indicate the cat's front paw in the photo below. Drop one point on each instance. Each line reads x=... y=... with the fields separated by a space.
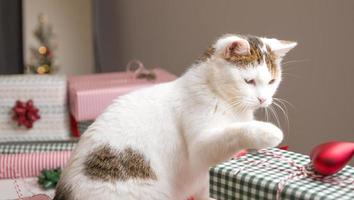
x=261 y=135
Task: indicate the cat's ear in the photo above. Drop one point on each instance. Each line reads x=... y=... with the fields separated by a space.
x=231 y=46
x=280 y=47
x=237 y=47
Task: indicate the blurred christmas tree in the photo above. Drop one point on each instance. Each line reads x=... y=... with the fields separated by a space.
x=42 y=58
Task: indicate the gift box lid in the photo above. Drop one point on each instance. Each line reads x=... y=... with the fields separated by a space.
x=90 y=94
x=277 y=174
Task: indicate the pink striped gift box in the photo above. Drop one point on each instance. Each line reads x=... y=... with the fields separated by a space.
x=31 y=164
x=89 y=95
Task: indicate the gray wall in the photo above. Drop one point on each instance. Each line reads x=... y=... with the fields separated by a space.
x=318 y=79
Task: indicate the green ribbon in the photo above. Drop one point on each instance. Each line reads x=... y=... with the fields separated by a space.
x=48 y=179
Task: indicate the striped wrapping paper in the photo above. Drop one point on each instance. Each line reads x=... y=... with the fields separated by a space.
x=89 y=95
x=49 y=95
x=31 y=164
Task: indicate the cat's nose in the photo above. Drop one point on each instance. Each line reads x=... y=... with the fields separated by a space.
x=261 y=100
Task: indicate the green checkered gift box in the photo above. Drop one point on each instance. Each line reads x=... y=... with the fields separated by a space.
x=278 y=174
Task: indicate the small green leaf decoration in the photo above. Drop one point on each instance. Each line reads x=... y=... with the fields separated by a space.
x=48 y=179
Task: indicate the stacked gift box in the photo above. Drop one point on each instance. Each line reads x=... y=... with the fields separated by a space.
x=41 y=117
x=34 y=130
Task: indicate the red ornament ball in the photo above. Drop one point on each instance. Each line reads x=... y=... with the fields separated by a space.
x=25 y=113
x=330 y=157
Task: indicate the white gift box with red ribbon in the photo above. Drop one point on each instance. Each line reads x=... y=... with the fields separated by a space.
x=47 y=95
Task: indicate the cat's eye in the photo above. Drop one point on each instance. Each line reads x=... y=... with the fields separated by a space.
x=251 y=81
x=271 y=81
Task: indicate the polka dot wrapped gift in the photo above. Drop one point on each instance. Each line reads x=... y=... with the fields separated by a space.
x=278 y=174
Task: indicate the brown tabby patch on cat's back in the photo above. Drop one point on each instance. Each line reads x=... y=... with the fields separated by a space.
x=111 y=165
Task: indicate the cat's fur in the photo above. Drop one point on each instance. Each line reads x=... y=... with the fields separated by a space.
x=158 y=143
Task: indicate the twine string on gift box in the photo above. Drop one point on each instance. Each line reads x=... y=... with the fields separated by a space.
x=299 y=172
x=18 y=189
x=17 y=176
x=138 y=70
x=14 y=179
x=306 y=171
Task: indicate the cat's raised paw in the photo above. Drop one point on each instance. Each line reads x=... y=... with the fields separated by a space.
x=261 y=135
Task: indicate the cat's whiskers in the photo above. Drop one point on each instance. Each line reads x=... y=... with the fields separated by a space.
x=294 y=61
x=266 y=114
x=247 y=101
x=280 y=106
x=231 y=106
x=237 y=104
x=284 y=102
x=275 y=115
x=285 y=69
x=284 y=113
x=285 y=74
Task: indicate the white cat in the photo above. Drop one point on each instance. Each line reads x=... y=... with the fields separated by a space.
x=158 y=143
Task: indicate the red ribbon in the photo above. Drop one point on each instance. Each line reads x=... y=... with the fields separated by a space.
x=74 y=127
x=25 y=113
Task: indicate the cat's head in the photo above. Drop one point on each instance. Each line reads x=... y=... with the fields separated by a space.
x=246 y=70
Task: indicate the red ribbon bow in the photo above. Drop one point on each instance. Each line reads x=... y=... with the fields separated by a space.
x=25 y=113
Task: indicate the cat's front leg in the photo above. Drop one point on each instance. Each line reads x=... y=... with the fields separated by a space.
x=213 y=146
x=259 y=135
